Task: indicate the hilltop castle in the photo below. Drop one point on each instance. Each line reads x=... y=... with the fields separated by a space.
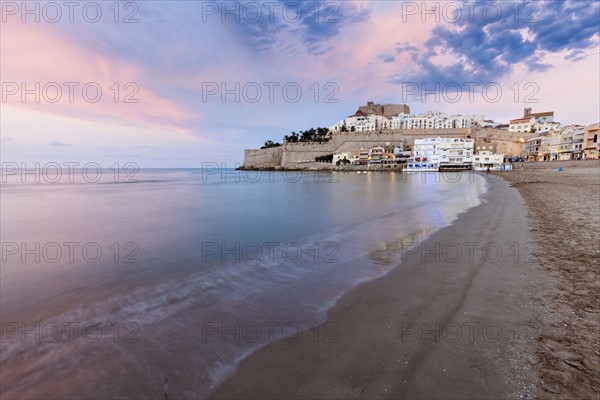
x=385 y=110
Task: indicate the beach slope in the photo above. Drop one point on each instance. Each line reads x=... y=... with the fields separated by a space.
x=456 y=320
x=565 y=210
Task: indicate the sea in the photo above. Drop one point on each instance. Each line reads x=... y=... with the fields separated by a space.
x=156 y=283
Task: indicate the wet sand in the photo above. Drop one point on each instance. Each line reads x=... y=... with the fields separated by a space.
x=565 y=207
x=457 y=319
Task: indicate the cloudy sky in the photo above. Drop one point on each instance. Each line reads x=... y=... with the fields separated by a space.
x=181 y=83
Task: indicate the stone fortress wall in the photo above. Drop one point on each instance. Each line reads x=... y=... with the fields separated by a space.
x=302 y=155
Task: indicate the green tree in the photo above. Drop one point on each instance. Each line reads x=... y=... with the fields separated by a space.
x=269 y=143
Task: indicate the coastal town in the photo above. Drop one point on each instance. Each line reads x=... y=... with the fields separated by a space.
x=389 y=137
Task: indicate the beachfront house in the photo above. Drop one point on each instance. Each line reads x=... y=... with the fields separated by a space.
x=376 y=153
x=532 y=148
x=433 y=154
x=577 y=144
x=488 y=161
x=553 y=147
x=591 y=146
x=456 y=153
x=565 y=138
x=363 y=157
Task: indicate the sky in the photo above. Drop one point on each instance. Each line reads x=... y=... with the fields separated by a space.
x=185 y=83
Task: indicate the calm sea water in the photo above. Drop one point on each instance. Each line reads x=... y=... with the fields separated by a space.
x=162 y=281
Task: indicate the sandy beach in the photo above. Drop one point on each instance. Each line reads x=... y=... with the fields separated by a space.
x=565 y=210
x=459 y=318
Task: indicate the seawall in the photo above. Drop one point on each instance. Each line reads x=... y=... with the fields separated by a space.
x=302 y=155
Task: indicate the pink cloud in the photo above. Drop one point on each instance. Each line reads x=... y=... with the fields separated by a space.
x=40 y=53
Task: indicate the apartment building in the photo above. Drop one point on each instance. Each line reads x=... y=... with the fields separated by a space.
x=591 y=146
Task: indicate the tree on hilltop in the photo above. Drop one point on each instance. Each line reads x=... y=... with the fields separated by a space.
x=269 y=143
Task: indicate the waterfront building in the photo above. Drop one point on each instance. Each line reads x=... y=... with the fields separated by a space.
x=457 y=153
x=553 y=146
x=532 y=148
x=388 y=154
x=363 y=157
x=376 y=153
x=433 y=154
x=564 y=144
x=577 y=143
x=544 y=149
x=591 y=145
x=488 y=161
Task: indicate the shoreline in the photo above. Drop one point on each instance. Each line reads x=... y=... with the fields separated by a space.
x=586 y=163
x=326 y=167
x=425 y=329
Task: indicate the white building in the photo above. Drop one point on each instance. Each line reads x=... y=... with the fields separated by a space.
x=341 y=156
x=488 y=161
x=428 y=149
x=457 y=153
x=433 y=154
x=337 y=127
x=429 y=120
x=366 y=123
x=550 y=127
x=578 y=139
x=569 y=142
x=566 y=144
x=438 y=120
x=530 y=120
x=544 y=148
x=552 y=146
x=521 y=125
x=362 y=123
